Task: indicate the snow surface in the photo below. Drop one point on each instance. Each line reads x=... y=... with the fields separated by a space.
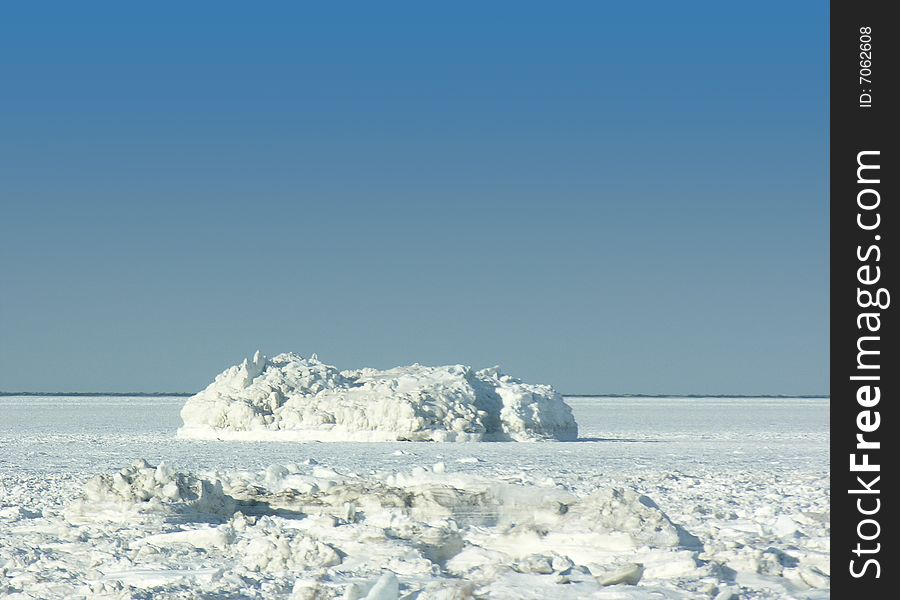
x=659 y=498
x=290 y=397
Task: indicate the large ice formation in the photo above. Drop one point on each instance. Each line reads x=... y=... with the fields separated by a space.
x=290 y=397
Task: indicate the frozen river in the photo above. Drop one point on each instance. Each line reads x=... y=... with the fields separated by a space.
x=747 y=476
x=87 y=434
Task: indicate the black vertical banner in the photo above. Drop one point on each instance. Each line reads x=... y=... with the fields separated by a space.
x=865 y=372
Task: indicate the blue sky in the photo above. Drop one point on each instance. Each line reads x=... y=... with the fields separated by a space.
x=623 y=197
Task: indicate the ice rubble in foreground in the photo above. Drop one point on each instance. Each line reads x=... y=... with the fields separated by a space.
x=315 y=533
x=293 y=398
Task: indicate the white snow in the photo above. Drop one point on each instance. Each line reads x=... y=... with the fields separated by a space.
x=290 y=397
x=286 y=521
x=659 y=498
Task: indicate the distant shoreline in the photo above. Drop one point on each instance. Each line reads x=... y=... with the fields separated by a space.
x=98 y=394
x=807 y=396
x=188 y=394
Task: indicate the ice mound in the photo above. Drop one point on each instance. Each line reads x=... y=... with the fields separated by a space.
x=267 y=546
x=154 y=489
x=289 y=397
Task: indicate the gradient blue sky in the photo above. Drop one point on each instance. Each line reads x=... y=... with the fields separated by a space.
x=622 y=197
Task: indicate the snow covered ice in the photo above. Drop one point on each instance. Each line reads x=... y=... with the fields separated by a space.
x=344 y=531
x=290 y=397
x=658 y=498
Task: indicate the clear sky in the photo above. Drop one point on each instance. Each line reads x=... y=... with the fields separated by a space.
x=608 y=197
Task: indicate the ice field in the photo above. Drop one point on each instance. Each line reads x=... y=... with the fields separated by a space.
x=658 y=498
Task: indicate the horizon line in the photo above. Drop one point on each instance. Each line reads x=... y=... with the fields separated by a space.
x=620 y=395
